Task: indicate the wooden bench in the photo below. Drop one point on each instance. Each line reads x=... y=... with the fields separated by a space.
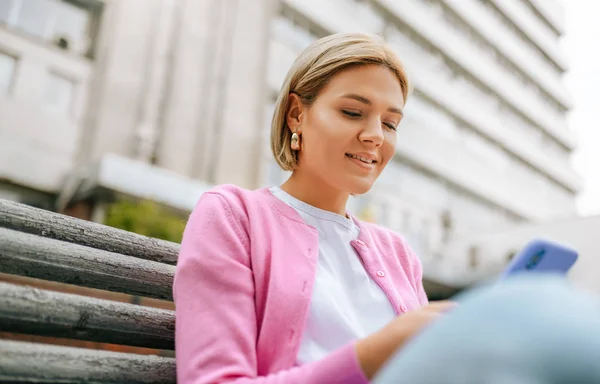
x=52 y=247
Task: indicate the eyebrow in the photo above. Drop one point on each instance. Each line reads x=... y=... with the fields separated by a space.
x=366 y=101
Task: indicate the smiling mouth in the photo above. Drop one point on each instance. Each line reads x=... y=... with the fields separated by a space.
x=363 y=159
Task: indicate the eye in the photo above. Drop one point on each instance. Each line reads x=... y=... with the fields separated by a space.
x=351 y=113
x=391 y=126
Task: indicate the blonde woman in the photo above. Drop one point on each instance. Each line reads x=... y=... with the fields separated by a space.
x=282 y=285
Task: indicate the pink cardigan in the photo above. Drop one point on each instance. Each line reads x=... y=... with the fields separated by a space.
x=243 y=285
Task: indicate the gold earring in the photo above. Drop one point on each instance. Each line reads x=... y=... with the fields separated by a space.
x=295 y=141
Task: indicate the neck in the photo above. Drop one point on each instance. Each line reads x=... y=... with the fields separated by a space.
x=316 y=192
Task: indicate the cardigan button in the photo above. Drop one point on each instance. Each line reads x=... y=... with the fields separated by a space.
x=360 y=242
x=403 y=308
x=380 y=273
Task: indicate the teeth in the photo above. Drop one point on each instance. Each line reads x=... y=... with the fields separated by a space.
x=364 y=160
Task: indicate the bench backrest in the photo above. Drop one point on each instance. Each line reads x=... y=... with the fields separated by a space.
x=44 y=245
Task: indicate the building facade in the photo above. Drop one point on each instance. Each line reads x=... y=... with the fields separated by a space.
x=484 y=143
x=188 y=87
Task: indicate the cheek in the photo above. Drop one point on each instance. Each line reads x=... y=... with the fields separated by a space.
x=326 y=131
x=388 y=148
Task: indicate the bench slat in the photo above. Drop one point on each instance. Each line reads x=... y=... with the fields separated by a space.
x=43 y=258
x=23 y=362
x=45 y=313
x=36 y=221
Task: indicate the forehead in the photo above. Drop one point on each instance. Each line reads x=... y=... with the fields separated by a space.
x=375 y=82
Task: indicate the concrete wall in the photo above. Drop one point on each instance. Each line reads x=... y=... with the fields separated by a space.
x=180 y=83
x=119 y=77
x=214 y=111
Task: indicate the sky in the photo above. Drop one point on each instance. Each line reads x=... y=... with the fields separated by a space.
x=581 y=45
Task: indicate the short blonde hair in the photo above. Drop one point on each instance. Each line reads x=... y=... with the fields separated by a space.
x=314 y=68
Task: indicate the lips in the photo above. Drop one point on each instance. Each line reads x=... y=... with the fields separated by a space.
x=363 y=159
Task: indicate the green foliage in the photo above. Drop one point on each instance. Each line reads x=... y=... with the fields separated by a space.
x=145 y=218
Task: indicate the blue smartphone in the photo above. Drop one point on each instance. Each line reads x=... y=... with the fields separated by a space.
x=542 y=256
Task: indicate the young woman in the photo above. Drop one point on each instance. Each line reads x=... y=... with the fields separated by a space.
x=282 y=285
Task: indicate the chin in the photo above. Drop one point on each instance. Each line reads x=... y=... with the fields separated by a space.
x=359 y=187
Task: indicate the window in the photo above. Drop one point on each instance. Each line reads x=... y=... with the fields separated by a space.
x=283 y=29
x=495 y=57
x=530 y=8
x=60 y=22
x=487 y=150
x=516 y=123
x=406 y=180
x=273 y=174
x=281 y=57
x=510 y=255
x=409 y=45
x=446 y=224
x=6 y=10
x=470 y=213
x=425 y=238
x=7 y=70
x=473 y=256
x=71 y=28
x=406 y=221
x=553 y=149
x=268 y=111
x=34 y=17
x=369 y=15
x=432 y=117
x=510 y=27
x=59 y=93
x=385 y=212
x=294 y=30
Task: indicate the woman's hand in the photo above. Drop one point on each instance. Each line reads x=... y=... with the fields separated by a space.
x=374 y=350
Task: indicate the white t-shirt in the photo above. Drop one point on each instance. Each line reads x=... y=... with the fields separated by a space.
x=346 y=303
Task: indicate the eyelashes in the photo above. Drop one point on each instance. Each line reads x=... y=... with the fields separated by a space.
x=390 y=126
x=355 y=115
x=351 y=114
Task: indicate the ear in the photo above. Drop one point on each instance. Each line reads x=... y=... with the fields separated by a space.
x=295 y=112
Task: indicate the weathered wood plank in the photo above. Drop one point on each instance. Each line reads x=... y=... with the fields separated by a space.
x=22 y=362
x=61 y=227
x=46 y=313
x=43 y=258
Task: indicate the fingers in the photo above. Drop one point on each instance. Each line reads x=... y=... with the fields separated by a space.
x=440 y=306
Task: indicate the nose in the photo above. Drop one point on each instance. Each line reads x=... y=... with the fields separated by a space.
x=372 y=132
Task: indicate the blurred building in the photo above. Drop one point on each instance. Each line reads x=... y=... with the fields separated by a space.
x=163 y=98
x=496 y=246
x=484 y=143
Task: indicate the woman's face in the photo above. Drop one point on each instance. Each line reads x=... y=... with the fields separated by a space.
x=348 y=134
